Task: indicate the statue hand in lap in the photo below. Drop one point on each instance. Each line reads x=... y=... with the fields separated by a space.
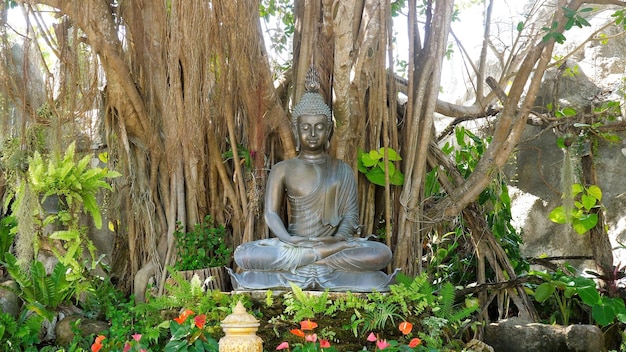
x=317 y=246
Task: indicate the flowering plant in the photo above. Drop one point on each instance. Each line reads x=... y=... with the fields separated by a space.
x=311 y=341
x=313 y=344
x=189 y=334
x=129 y=346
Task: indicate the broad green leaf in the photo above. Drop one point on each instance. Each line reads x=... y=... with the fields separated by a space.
x=368 y=161
x=589 y=295
x=603 y=314
x=544 y=291
x=595 y=191
x=585 y=223
x=558 y=215
x=375 y=155
x=588 y=202
x=569 y=111
x=577 y=188
x=376 y=176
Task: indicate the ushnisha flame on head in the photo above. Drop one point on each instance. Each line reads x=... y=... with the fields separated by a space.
x=311 y=103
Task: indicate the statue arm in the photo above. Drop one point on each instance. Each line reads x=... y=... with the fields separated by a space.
x=274 y=194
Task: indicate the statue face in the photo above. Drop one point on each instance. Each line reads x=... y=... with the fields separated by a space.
x=313 y=132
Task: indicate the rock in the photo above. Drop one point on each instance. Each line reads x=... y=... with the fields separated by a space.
x=9 y=302
x=518 y=335
x=477 y=346
x=65 y=335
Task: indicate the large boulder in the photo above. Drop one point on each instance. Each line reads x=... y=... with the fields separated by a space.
x=9 y=302
x=65 y=333
x=518 y=335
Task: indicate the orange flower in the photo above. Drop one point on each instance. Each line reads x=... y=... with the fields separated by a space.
x=405 y=327
x=97 y=345
x=183 y=316
x=308 y=325
x=200 y=320
x=297 y=332
x=415 y=342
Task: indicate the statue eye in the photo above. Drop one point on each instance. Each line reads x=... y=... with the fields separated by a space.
x=304 y=126
x=320 y=126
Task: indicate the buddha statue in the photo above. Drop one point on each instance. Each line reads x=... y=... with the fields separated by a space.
x=319 y=248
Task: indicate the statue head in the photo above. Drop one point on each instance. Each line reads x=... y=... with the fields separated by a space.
x=311 y=103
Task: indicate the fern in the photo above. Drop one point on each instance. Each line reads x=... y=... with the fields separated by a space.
x=384 y=312
x=306 y=306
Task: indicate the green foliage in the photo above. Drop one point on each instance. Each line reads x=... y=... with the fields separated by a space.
x=567 y=289
x=42 y=293
x=7 y=233
x=574 y=18
x=583 y=218
x=21 y=334
x=372 y=164
x=203 y=247
x=446 y=259
x=305 y=306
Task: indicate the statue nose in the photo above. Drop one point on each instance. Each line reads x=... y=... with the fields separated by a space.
x=313 y=132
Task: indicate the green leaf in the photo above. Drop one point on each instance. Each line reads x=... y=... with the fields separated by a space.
x=603 y=314
x=595 y=191
x=589 y=295
x=375 y=155
x=391 y=154
x=376 y=176
x=577 y=188
x=569 y=111
x=520 y=26
x=368 y=161
x=558 y=215
x=65 y=235
x=585 y=223
x=544 y=291
x=588 y=202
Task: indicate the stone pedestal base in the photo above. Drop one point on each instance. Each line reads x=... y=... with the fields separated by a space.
x=366 y=281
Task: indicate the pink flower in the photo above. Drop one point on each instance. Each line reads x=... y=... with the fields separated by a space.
x=324 y=343
x=137 y=337
x=371 y=337
x=310 y=338
x=127 y=347
x=382 y=344
x=282 y=346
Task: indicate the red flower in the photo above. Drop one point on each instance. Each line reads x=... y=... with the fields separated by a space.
x=200 y=320
x=405 y=327
x=415 y=342
x=308 y=325
x=97 y=345
x=282 y=346
x=297 y=332
x=127 y=347
x=183 y=316
x=324 y=343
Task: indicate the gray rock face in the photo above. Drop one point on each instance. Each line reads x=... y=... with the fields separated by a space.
x=9 y=302
x=65 y=335
x=518 y=335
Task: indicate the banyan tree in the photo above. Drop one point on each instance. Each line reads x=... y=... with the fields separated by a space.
x=193 y=114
